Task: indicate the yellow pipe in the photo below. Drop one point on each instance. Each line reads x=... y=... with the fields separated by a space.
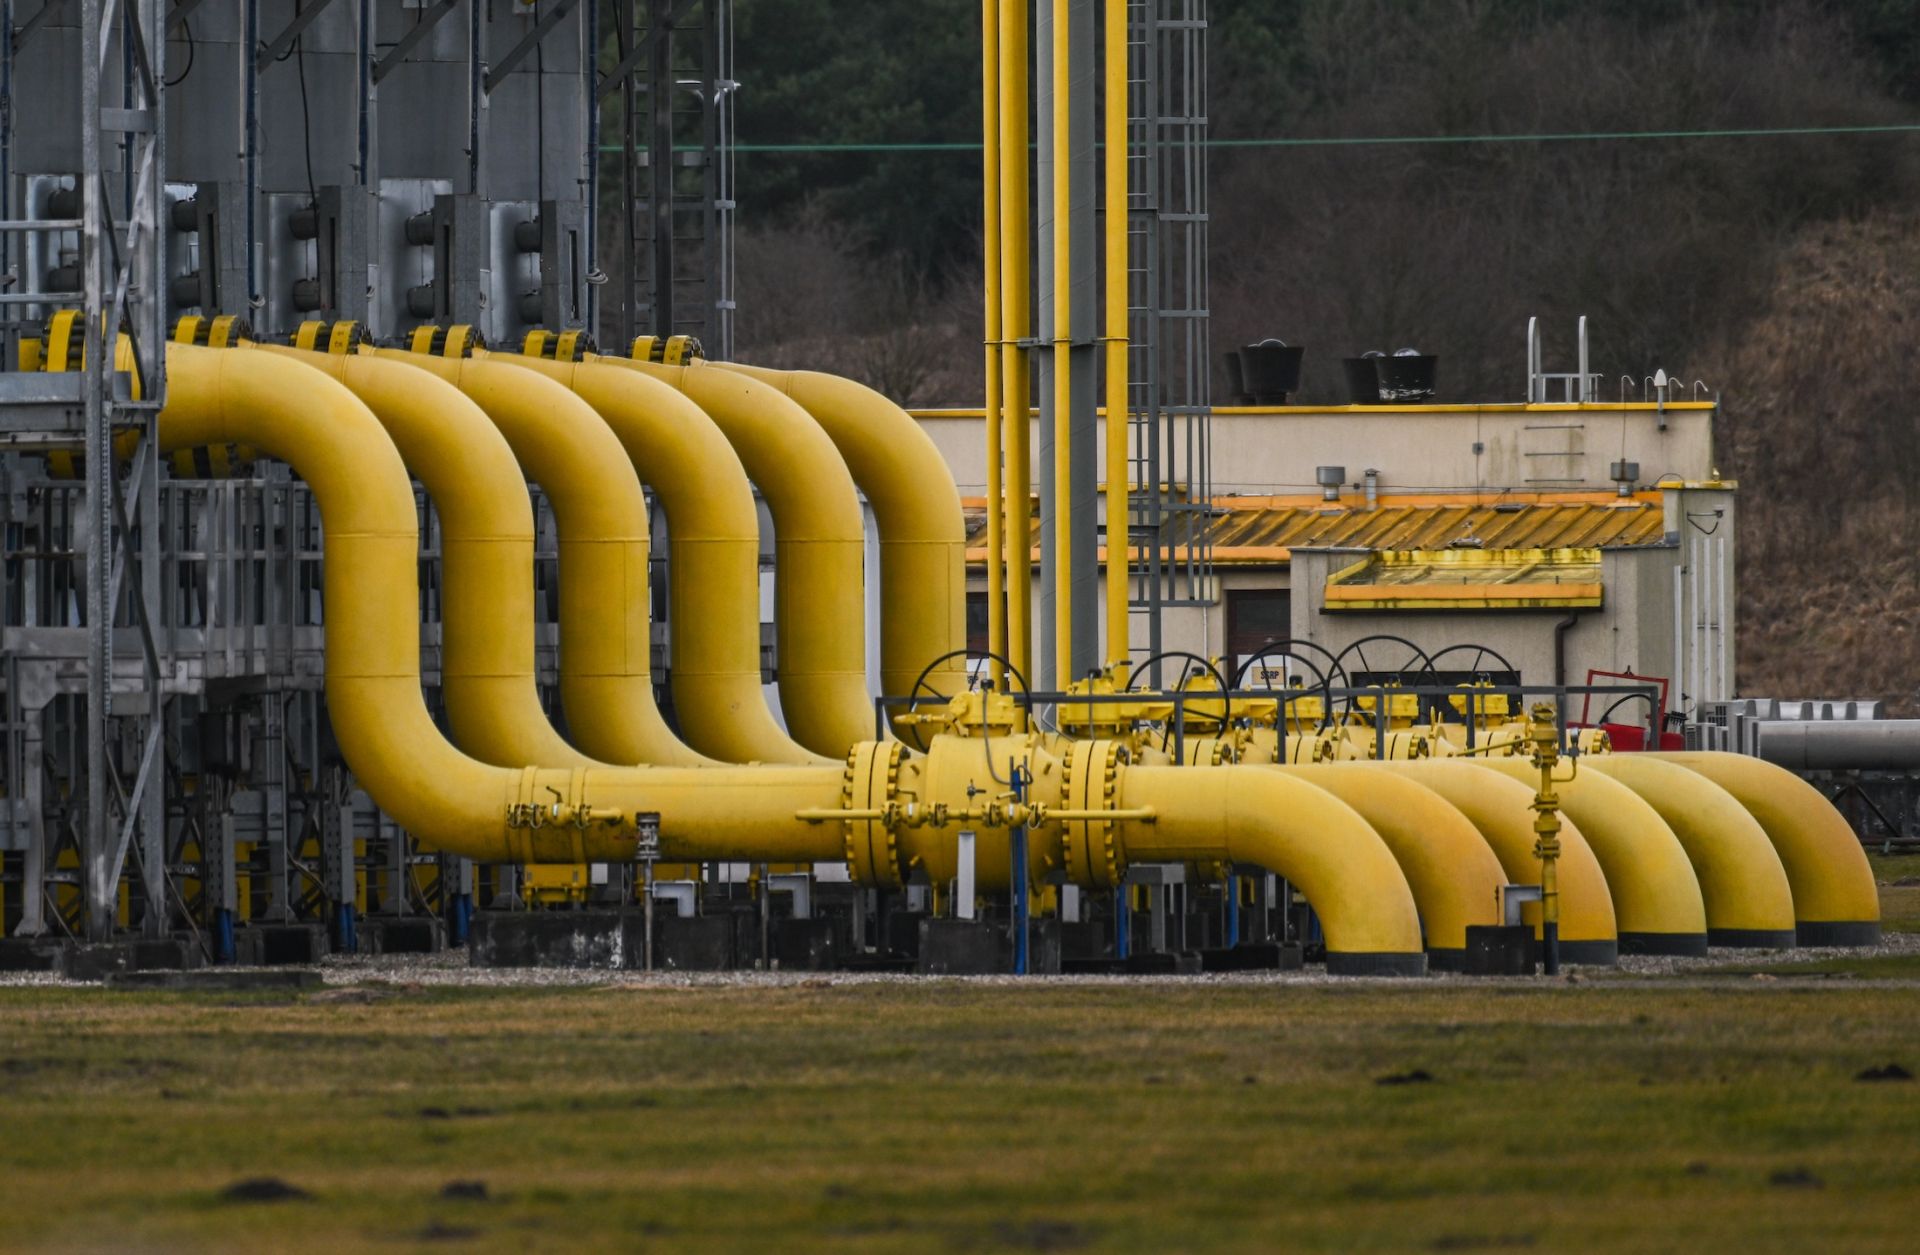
x=486 y=555
x=916 y=510
x=1016 y=326
x=1742 y=884
x=443 y=798
x=605 y=632
x=1117 y=329
x=713 y=573
x=1449 y=866
x=1060 y=561
x=1656 y=897
x=1502 y=811
x=1835 y=899
x=1278 y=821
x=819 y=548
x=990 y=267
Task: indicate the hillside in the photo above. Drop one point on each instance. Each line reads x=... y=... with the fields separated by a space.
x=1822 y=428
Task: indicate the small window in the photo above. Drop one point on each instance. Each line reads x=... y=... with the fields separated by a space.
x=977 y=622
x=1256 y=616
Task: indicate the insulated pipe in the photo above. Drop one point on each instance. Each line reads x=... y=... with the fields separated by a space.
x=1656 y=897
x=1742 y=883
x=916 y=509
x=443 y=798
x=1281 y=822
x=819 y=547
x=1841 y=744
x=1503 y=812
x=486 y=554
x=713 y=539
x=1449 y=866
x=1016 y=326
x=1835 y=899
x=605 y=634
x=1117 y=296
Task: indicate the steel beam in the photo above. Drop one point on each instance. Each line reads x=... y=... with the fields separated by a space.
x=507 y=64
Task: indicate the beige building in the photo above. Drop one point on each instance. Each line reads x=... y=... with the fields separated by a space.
x=1499 y=527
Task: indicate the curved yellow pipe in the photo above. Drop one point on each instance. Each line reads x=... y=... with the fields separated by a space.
x=1656 y=897
x=916 y=510
x=819 y=547
x=1835 y=899
x=606 y=641
x=445 y=799
x=1451 y=870
x=486 y=555
x=1502 y=811
x=1742 y=883
x=713 y=574
x=1283 y=823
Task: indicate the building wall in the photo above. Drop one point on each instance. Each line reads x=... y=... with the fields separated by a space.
x=1418 y=449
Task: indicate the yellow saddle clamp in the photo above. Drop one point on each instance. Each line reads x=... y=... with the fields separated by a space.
x=63 y=347
x=558 y=346
x=458 y=340
x=344 y=336
x=668 y=350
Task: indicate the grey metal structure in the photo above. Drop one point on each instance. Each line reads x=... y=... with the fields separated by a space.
x=394 y=163
x=1170 y=360
x=676 y=85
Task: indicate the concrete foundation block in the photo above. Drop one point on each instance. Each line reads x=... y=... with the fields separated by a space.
x=1499 y=950
x=279 y=945
x=701 y=944
x=555 y=939
x=30 y=954
x=806 y=945
x=419 y=934
x=959 y=947
x=95 y=962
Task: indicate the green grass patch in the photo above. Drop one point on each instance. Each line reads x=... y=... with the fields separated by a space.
x=1889 y=868
x=957 y=1117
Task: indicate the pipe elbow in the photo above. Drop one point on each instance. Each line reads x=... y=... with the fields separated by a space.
x=1296 y=830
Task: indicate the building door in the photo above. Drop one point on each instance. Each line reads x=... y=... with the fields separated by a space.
x=1254 y=617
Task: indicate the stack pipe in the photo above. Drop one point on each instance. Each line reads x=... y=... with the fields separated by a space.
x=713 y=572
x=916 y=510
x=605 y=631
x=486 y=555
x=819 y=545
x=450 y=801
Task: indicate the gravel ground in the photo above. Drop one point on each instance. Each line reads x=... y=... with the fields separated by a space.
x=451 y=968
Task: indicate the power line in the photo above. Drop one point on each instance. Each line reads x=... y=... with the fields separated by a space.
x=1357 y=141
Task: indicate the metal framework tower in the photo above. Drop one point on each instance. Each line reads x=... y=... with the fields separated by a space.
x=675 y=76
x=1171 y=346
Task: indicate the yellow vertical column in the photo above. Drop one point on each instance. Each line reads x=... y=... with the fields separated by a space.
x=990 y=265
x=1117 y=295
x=1059 y=560
x=1015 y=326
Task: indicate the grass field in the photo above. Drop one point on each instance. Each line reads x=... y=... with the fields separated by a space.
x=1701 y=1112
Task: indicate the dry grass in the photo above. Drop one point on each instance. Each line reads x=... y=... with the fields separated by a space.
x=946 y=1116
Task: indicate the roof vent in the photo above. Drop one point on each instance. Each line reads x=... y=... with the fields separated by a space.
x=1330 y=478
x=1625 y=475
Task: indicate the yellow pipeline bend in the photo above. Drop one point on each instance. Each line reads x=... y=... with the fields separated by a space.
x=713 y=535
x=819 y=550
x=916 y=509
x=605 y=634
x=1282 y=823
x=1742 y=883
x=1502 y=811
x=1656 y=897
x=486 y=553
x=443 y=798
x=1452 y=871
x=1835 y=899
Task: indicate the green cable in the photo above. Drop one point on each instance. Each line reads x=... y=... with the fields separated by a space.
x=1358 y=141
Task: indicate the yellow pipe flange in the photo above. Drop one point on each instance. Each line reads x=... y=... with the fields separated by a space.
x=1088 y=776
x=873 y=856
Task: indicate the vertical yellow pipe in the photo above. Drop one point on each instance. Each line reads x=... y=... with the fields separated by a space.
x=1058 y=561
x=1016 y=325
x=1117 y=295
x=990 y=268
